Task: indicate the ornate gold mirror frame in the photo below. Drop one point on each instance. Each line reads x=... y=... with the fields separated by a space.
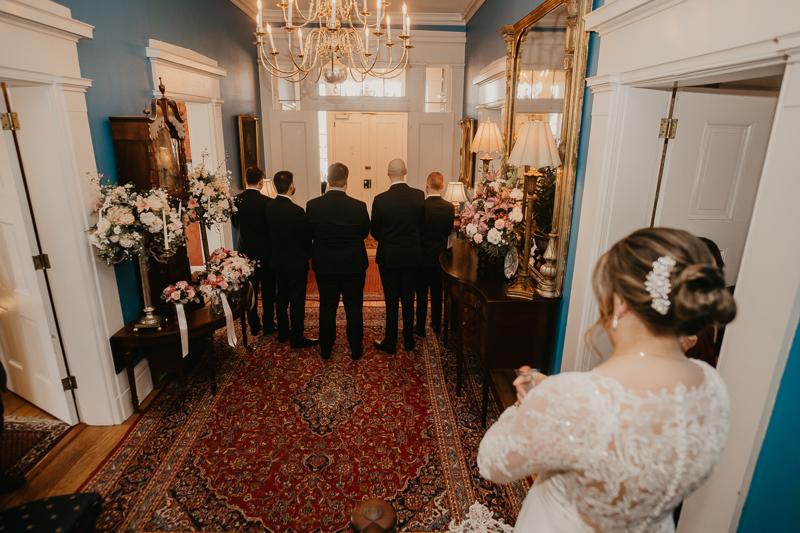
x=551 y=277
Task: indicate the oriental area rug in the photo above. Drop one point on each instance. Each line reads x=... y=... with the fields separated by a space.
x=26 y=440
x=291 y=443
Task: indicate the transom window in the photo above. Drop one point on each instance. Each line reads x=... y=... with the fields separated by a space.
x=371 y=86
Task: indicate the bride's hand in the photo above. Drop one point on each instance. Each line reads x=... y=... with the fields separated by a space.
x=526 y=381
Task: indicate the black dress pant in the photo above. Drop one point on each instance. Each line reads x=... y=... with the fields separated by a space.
x=351 y=289
x=398 y=286
x=291 y=293
x=429 y=277
x=265 y=280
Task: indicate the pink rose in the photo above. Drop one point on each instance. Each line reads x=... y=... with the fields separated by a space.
x=478 y=238
x=208 y=191
x=176 y=295
x=500 y=224
x=127 y=219
x=181 y=284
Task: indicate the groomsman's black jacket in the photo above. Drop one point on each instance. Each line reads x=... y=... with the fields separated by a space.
x=397 y=218
x=290 y=234
x=439 y=217
x=339 y=225
x=250 y=220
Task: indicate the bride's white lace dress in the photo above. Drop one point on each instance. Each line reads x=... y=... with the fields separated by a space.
x=609 y=459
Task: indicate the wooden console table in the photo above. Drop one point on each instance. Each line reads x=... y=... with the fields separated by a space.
x=164 y=347
x=505 y=332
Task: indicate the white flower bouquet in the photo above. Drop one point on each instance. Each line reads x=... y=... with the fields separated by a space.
x=236 y=268
x=118 y=234
x=161 y=221
x=210 y=200
x=491 y=219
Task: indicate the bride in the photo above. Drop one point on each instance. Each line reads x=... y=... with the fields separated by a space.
x=618 y=448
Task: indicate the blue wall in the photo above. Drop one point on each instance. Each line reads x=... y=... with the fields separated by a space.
x=115 y=60
x=774 y=494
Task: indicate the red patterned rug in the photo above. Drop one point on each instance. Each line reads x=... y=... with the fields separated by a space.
x=26 y=440
x=373 y=288
x=292 y=443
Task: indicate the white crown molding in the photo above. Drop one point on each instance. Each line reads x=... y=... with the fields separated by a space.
x=161 y=52
x=494 y=71
x=247 y=7
x=471 y=9
x=438 y=37
x=621 y=13
x=45 y=15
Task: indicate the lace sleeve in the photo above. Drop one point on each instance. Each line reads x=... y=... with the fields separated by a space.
x=553 y=429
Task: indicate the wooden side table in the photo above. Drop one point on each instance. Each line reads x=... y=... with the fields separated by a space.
x=509 y=332
x=125 y=343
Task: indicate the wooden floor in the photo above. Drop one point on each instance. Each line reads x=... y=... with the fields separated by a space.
x=71 y=462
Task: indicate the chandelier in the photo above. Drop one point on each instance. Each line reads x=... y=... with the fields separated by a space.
x=339 y=42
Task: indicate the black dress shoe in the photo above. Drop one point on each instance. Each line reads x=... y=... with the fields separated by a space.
x=255 y=331
x=385 y=347
x=419 y=332
x=357 y=354
x=283 y=337
x=304 y=343
x=409 y=345
x=436 y=329
x=326 y=356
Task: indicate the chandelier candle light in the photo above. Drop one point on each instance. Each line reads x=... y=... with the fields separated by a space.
x=338 y=43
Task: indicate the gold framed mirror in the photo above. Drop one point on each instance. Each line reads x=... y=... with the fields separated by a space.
x=545 y=75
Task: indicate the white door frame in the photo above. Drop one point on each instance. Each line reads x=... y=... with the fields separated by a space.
x=44 y=37
x=757 y=344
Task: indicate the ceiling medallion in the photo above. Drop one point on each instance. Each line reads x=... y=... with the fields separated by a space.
x=338 y=42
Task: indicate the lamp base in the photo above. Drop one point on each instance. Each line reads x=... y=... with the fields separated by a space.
x=150 y=321
x=522 y=286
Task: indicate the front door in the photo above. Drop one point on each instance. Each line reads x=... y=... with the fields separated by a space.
x=29 y=347
x=714 y=166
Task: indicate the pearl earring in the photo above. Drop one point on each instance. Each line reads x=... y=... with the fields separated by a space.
x=615 y=322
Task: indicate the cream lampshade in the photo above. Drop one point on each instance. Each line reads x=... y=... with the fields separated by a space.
x=455 y=193
x=268 y=189
x=535 y=148
x=487 y=139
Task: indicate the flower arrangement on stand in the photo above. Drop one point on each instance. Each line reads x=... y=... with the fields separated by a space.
x=491 y=219
x=162 y=222
x=118 y=234
x=210 y=201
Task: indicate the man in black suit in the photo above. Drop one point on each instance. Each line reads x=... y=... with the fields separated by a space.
x=253 y=241
x=290 y=234
x=397 y=217
x=339 y=225
x=439 y=218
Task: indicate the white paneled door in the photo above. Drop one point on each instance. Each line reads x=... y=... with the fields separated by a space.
x=362 y=140
x=29 y=347
x=714 y=166
x=295 y=147
x=430 y=147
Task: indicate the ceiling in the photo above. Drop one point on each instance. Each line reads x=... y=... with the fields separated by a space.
x=423 y=12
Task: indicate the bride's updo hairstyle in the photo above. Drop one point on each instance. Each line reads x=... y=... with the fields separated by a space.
x=698 y=297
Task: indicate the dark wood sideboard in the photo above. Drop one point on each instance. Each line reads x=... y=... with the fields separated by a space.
x=504 y=332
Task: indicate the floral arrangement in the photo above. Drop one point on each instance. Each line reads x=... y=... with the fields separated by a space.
x=236 y=268
x=210 y=200
x=132 y=225
x=118 y=234
x=491 y=219
x=211 y=285
x=181 y=292
x=162 y=221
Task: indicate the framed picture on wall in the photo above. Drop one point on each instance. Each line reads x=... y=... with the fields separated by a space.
x=249 y=144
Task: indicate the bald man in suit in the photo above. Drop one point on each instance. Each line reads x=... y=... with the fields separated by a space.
x=397 y=218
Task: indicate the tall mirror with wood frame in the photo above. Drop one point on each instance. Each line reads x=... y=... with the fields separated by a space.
x=545 y=75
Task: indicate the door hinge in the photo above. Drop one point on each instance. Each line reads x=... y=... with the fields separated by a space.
x=10 y=121
x=668 y=127
x=69 y=383
x=41 y=262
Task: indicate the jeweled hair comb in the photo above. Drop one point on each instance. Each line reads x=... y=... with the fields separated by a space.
x=658 y=285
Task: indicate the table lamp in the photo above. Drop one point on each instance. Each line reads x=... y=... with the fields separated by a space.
x=268 y=189
x=487 y=139
x=535 y=148
x=455 y=193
